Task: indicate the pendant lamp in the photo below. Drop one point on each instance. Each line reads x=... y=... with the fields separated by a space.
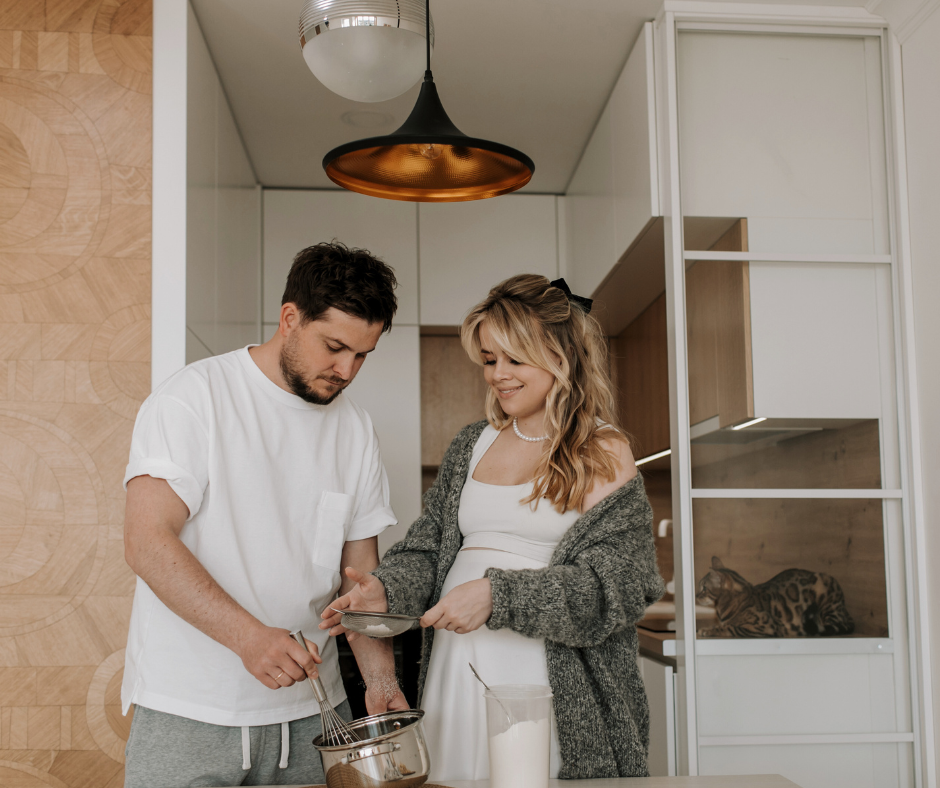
x=365 y=50
x=428 y=159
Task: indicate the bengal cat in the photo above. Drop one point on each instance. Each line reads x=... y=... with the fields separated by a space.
x=793 y=604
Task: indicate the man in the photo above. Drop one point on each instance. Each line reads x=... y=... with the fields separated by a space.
x=252 y=480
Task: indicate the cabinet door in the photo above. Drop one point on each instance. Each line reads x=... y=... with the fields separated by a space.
x=589 y=212
x=294 y=219
x=660 y=691
x=614 y=192
x=388 y=386
x=468 y=247
x=633 y=145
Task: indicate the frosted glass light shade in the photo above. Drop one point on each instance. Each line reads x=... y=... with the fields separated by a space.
x=365 y=50
x=367 y=63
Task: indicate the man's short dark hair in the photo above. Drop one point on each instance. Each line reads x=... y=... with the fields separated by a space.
x=352 y=280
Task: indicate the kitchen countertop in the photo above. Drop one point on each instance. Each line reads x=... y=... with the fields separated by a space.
x=657 y=645
x=719 y=781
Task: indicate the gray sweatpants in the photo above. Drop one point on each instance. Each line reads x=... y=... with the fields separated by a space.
x=166 y=751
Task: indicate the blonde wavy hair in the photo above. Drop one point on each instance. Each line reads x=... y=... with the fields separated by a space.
x=534 y=323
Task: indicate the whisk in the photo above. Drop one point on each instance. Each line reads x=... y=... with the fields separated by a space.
x=335 y=729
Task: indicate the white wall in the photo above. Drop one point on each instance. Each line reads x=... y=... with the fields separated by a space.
x=921 y=74
x=168 y=275
x=223 y=217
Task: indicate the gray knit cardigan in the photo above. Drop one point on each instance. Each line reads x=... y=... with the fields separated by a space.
x=585 y=603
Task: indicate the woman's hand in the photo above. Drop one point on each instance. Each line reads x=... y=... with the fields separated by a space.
x=367 y=594
x=466 y=608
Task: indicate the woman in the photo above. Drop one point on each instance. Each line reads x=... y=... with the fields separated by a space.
x=537 y=526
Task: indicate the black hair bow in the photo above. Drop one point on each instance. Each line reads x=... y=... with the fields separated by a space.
x=581 y=301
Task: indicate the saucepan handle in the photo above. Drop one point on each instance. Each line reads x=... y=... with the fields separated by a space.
x=370 y=752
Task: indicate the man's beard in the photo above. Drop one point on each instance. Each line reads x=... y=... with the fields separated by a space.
x=294 y=378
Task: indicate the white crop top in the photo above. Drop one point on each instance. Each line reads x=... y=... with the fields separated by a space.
x=493 y=516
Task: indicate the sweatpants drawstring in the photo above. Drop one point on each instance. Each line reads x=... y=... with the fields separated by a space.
x=246 y=747
x=285 y=744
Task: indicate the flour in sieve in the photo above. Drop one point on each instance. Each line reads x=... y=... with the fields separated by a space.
x=377 y=630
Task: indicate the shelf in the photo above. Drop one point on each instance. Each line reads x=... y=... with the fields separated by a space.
x=664 y=645
x=717 y=647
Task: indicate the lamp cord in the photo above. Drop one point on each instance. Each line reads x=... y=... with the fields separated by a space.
x=427 y=39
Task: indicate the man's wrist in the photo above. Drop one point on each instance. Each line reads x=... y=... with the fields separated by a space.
x=244 y=631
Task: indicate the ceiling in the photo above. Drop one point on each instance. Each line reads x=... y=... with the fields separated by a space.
x=533 y=74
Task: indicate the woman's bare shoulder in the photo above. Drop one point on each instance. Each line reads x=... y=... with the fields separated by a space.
x=625 y=469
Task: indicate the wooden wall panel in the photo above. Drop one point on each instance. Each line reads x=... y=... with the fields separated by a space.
x=453 y=393
x=759 y=537
x=640 y=369
x=718 y=309
x=75 y=193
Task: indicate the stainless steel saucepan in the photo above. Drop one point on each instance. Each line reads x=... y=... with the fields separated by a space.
x=392 y=753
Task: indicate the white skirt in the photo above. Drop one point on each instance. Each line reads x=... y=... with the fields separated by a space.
x=455 y=710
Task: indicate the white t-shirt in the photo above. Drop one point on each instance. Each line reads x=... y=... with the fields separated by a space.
x=275 y=486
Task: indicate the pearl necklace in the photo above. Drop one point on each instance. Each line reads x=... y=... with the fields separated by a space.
x=515 y=429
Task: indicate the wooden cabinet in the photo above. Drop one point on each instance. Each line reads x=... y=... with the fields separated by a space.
x=786 y=342
x=639 y=366
x=718 y=315
x=719 y=337
x=659 y=681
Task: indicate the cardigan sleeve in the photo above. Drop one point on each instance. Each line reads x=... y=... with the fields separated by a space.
x=602 y=589
x=409 y=568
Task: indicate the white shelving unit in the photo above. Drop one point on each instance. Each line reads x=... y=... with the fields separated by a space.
x=786 y=117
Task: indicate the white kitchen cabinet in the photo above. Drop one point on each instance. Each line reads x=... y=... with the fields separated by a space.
x=589 y=212
x=785 y=341
x=817 y=765
x=295 y=219
x=840 y=693
x=788 y=131
x=659 y=680
x=467 y=247
x=614 y=192
x=388 y=386
x=815 y=340
x=633 y=145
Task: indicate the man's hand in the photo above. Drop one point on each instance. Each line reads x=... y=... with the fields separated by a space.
x=154 y=518
x=368 y=593
x=273 y=657
x=464 y=609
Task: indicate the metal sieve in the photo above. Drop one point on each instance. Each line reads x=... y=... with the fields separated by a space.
x=376 y=625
